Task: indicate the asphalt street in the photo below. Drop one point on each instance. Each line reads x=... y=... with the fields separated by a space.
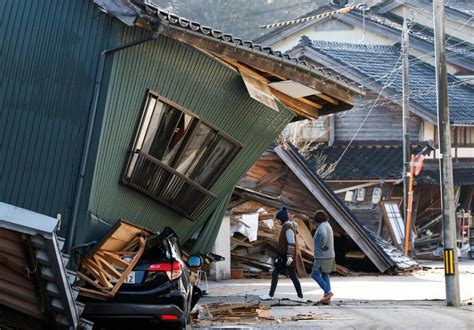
x=412 y=301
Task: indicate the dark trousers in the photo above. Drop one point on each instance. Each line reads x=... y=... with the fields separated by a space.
x=293 y=276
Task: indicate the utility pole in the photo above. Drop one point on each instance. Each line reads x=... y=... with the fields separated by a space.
x=446 y=165
x=406 y=123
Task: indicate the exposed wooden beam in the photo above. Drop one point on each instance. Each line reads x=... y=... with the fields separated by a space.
x=300 y=106
x=311 y=103
x=328 y=98
x=271 y=177
x=296 y=104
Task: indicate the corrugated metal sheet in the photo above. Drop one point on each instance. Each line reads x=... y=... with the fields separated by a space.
x=198 y=83
x=49 y=55
x=33 y=279
x=207 y=237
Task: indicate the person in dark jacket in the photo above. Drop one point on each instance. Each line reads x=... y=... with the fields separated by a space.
x=287 y=256
x=324 y=256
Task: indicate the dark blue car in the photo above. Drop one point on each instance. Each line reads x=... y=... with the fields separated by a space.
x=157 y=294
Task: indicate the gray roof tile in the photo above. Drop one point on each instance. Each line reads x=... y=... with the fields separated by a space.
x=383 y=59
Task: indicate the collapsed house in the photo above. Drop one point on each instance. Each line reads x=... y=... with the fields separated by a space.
x=282 y=176
x=140 y=114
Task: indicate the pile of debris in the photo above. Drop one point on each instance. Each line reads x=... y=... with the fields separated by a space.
x=245 y=312
x=428 y=241
x=230 y=312
x=106 y=267
x=255 y=240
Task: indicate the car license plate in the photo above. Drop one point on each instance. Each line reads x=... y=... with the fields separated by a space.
x=130 y=278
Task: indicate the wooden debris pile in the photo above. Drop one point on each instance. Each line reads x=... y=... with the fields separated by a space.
x=428 y=241
x=230 y=312
x=107 y=266
x=255 y=257
x=245 y=312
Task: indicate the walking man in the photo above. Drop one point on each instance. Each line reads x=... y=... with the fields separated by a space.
x=287 y=255
x=324 y=256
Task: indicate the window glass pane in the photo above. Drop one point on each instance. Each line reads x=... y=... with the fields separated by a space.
x=195 y=149
x=151 y=102
x=151 y=126
x=208 y=170
x=167 y=126
x=177 y=138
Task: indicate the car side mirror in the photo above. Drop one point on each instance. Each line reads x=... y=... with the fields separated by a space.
x=194 y=261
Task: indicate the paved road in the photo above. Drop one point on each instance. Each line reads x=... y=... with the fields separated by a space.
x=414 y=301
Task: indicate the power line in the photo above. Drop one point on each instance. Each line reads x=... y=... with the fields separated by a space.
x=366 y=117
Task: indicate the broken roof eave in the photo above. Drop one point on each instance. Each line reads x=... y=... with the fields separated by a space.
x=279 y=66
x=221 y=47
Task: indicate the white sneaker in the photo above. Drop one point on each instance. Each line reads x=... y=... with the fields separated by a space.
x=300 y=300
x=266 y=297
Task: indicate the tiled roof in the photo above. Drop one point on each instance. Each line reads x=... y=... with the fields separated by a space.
x=381 y=162
x=128 y=11
x=360 y=162
x=457 y=48
x=383 y=59
x=463 y=173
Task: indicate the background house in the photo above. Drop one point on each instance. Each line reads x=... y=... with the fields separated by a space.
x=361 y=151
x=282 y=176
x=381 y=24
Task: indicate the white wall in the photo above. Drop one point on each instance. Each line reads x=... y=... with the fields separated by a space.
x=221 y=270
x=332 y=30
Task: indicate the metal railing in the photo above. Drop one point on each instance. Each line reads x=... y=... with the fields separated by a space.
x=163 y=183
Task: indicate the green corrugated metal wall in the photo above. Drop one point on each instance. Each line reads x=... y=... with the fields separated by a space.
x=49 y=52
x=195 y=81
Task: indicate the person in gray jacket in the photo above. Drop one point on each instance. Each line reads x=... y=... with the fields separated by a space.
x=324 y=256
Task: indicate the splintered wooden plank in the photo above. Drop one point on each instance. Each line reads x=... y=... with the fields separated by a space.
x=120 y=235
x=94 y=294
x=271 y=177
x=251 y=261
x=93 y=269
x=104 y=276
x=113 y=259
x=132 y=243
x=132 y=264
x=125 y=253
x=239 y=242
x=108 y=267
x=91 y=282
